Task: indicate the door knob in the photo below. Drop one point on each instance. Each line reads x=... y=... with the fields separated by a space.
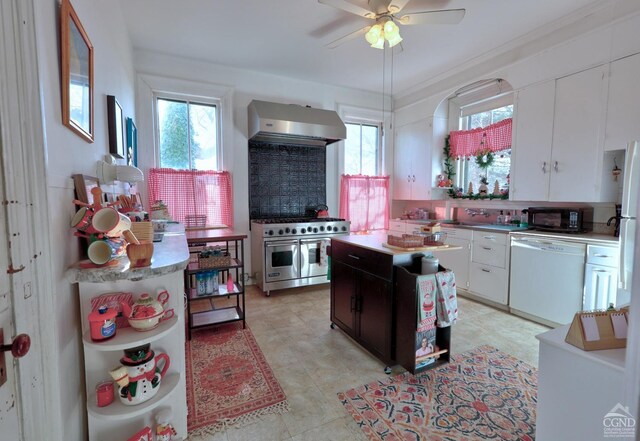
x=19 y=348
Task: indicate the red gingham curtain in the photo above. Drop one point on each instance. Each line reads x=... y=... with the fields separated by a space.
x=193 y=193
x=467 y=142
x=364 y=200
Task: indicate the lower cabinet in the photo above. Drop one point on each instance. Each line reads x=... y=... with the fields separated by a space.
x=489 y=268
x=457 y=260
x=361 y=305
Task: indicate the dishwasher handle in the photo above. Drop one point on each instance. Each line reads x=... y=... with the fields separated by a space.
x=558 y=247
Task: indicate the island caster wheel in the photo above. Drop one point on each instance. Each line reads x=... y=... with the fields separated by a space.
x=268 y=293
x=333 y=326
x=387 y=370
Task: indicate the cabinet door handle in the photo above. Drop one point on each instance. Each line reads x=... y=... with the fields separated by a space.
x=487 y=248
x=353 y=304
x=413 y=178
x=555 y=166
x=544 y=167
x=408 y=178
x=489 y=237
x=353 y=256
x=485 y=270
x=601 y=255
x=600 y=271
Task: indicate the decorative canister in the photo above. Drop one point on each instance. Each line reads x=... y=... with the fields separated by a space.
x=201 y=284
x=102 y=323
x=104 y=393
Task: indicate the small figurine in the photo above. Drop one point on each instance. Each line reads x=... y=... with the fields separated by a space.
x=164 y=429
x=483 y=189
x=496 y=188
x=470 y=188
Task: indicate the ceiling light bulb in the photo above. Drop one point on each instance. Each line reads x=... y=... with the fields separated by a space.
x=371 y=37
x=391 y=29
x=379 y=44
x=395 y=40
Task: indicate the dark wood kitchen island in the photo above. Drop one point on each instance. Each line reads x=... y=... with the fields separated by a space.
x=372 y=299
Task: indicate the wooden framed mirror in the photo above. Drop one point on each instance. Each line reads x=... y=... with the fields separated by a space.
x=76 y=63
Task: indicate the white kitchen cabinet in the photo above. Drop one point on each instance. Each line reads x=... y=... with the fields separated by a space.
x=489 y=268
x=412 y=162
x=600 y=277
x=577 y=151
x=533 y=134
x=558 y=152
x=397 y=227
x=457 y=260
x=623 y=107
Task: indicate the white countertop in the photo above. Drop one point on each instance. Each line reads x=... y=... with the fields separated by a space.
x=593 y=238
x=169 y=255
x=614 y=358
x=374 y=242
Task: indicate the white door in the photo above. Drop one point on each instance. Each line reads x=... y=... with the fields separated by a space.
x=531 y=155
x=25 y=272
x=577 y=132
x=623 y=108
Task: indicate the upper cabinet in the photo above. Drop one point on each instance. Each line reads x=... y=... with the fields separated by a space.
x=623 y=107
x=576 y=154
x=533 y=134
x=412 y=161
x=558 y=142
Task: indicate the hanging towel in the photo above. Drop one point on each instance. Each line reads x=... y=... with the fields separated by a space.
x=427 y=289
x=447 y=301
x=323 y=253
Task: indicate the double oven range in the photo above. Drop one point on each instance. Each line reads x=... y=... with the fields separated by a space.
x=291 y=252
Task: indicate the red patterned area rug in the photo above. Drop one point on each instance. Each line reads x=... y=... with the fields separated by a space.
x=229 y=382
x=482 y=394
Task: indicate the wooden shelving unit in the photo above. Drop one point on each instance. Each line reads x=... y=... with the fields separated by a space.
x=222 y=306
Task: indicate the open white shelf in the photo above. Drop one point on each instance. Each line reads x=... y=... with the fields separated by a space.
x=118 y=411
x=129 y=337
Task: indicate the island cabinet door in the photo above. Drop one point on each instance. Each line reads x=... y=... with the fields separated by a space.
x=374 y=317
x=343 y=296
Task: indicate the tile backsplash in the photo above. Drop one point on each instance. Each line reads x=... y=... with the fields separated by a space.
x=285 y=180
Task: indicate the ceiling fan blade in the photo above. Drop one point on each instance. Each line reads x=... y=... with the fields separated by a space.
x=349 y=7
x=334 y=44
x=396 y=6
x=448 y=16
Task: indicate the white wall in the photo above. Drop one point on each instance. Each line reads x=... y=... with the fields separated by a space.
x=242 y=86
x=68 y=154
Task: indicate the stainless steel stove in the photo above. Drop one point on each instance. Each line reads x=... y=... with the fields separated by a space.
x=291 y=252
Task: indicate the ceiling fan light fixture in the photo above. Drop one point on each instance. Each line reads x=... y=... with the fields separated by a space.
x=390 y=29
x=374 y=34
x=395 y=40
x=393 y=9
x=379 y=44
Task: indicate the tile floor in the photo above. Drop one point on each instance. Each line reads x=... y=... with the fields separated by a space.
x=314 y=362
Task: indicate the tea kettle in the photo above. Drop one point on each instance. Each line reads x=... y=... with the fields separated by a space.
x=322 y=211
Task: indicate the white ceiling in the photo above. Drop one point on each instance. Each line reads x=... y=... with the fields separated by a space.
x=287 y=37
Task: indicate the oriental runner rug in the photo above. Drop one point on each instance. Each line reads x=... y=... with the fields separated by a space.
x=229 y=382
x=481 y=394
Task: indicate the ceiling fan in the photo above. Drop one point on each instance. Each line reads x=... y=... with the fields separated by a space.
x=386 y=14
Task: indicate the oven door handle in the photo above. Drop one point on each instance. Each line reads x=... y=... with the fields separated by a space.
x=320 y=239
x=280 y=243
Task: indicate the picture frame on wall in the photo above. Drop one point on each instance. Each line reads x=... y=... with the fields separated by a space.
x=83 y=185
x=76 y=62
x=115 y=124
x=132 y=143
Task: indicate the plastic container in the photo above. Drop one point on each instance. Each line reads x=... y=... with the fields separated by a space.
x=201 y=284
x=430 y=265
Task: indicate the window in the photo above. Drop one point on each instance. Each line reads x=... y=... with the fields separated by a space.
x=468 y=170
x=188 y=134
x=362 y=149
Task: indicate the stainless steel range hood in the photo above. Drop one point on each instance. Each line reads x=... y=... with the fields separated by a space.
x=294 y=124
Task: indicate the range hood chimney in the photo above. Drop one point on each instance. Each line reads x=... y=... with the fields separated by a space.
x=294 y=124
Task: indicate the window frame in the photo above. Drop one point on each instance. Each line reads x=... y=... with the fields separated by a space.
x=380 y=141
x=189 y=99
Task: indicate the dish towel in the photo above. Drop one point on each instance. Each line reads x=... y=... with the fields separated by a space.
x=323 y=253
x=427 y=289
x=447 y=300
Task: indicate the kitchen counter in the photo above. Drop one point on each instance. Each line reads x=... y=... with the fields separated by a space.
x=374 y=242
x=589 y=238
x=169 y=255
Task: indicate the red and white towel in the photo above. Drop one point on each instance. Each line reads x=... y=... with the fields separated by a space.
x=447 y=301
x=427 y=288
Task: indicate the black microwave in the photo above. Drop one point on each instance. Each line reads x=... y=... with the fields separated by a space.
x=561 y=220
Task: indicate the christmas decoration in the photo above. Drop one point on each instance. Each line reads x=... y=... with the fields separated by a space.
x=484 y=159
x=483 y=189
x=470 y=188
x=496 y=188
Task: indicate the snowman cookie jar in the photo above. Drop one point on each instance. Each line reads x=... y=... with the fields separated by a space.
x=139 y=377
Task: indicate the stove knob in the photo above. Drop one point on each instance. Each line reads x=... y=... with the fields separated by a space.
x=303 y=231
x=294 y=231
x=344 y=228
x=287 y=230
x=281 y=232
x=315 y=229
x=270 y=233
x=335 y=229
x=321 y=228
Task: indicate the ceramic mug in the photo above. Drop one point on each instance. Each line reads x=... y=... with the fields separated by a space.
x=110 y=222
x=82 y=221
x=101 y=252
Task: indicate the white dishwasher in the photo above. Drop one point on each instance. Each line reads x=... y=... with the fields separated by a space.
x=547 y=279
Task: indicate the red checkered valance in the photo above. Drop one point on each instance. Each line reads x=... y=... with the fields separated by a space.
x=469 y=142
x=193 y=194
